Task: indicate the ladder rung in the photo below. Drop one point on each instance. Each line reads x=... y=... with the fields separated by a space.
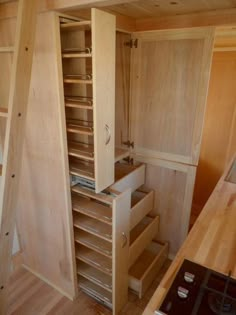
x=3 y=112
x=7 y=49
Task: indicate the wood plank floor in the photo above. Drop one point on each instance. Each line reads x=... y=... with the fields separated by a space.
x=28 y=295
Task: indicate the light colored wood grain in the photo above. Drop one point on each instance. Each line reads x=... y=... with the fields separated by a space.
x=94 y=259
x=225 y=38
x=128 y=176
x=147 y=266
x=105 y=198
x=15 y=128
x=95 y=276
x=219 y=137
x=141 y=235
x=143 y=204
x=30 y=295
x=211 y=242
x=122 y=117
x=103 y=40
x=93 y=226
x=97 y=244
x=91 y=208
x=195 y=19
x=170 y=93
x=120 y=250
x=173 y=184
x=44 y=195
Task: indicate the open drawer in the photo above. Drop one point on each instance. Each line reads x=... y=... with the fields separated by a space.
x=147 y=266
x=141 y=204
x=141 y=235
x=128 y=176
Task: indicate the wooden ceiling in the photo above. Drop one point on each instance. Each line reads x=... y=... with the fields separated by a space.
x=159 y=8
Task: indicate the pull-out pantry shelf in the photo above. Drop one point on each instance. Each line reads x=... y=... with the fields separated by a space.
x=93 y=226
x=97 y=277
x=95 y=243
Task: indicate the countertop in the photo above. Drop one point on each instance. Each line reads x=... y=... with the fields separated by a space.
x=211 y=242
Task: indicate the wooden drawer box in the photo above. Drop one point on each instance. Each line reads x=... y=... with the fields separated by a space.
x=147 y=266
x=128 y=177
x=141 y=235
x=141 y=204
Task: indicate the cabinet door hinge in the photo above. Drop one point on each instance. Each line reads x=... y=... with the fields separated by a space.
x=133 y=43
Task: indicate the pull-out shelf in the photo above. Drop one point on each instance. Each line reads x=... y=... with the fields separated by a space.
x=95 y=243
x=147 y=266
x=80 y=150
x=95 y=276
x=95 y=291
x=92 y=208
x=93 y=226
x=128 y=176
x=141 y=204
x=141 y=235
x=94 y=259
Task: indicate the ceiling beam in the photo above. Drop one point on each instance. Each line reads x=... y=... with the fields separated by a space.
x=210 y=18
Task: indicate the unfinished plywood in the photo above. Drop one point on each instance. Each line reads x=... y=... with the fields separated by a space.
x=173 y=185
x=219 y=132
x=122 y=119
x=103 y=47
x=44 y=207
x=169 y=89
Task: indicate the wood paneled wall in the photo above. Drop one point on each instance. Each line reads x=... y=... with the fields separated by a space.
x=219 y=133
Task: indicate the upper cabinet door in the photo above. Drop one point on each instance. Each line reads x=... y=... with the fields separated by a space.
x=169 y=80
x=103 y=50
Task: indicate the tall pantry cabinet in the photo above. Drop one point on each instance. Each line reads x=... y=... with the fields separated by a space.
x=99 y=237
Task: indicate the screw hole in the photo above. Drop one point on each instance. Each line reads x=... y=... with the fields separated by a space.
x=19 y=114
x=7 y=234
x=26 y=48
x=173 y=2
x=2 y=287
x=13 y=175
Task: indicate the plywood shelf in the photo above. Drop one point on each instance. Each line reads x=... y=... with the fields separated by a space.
x=79 y=103
x=95 y=290
x=94 y=259
x=105 y=198
x=81 y=150
x=93 y=226
x=97 y=244
x=79 y=128
x=121 y=154
x=81 y=25
x=92 y=208
x=78 y=168
x=84 y=79
x=3 y=112
x=97 y=277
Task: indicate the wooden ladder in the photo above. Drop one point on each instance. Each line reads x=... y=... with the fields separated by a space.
x=15 y=116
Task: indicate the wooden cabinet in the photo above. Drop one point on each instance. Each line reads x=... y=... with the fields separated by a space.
x=88 y=47
x=97 y=233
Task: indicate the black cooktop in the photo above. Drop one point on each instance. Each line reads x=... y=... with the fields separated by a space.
x=197 y=290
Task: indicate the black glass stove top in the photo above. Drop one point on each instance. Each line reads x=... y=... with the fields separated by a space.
x=197 y=290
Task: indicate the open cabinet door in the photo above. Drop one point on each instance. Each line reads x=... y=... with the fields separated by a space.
x=169 y=83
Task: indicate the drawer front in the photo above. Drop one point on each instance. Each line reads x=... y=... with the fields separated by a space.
x=139 y=244
x=141 y=275
x=141 y=208
x=132 y=180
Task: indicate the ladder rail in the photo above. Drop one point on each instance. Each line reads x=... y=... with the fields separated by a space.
x=14 y=137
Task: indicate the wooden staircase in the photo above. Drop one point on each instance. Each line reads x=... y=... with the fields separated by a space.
x=12 y=118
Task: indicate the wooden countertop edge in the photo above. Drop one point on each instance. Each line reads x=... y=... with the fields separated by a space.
x=221 y=200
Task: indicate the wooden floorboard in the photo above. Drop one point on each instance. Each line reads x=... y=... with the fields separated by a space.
x=29 y=295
